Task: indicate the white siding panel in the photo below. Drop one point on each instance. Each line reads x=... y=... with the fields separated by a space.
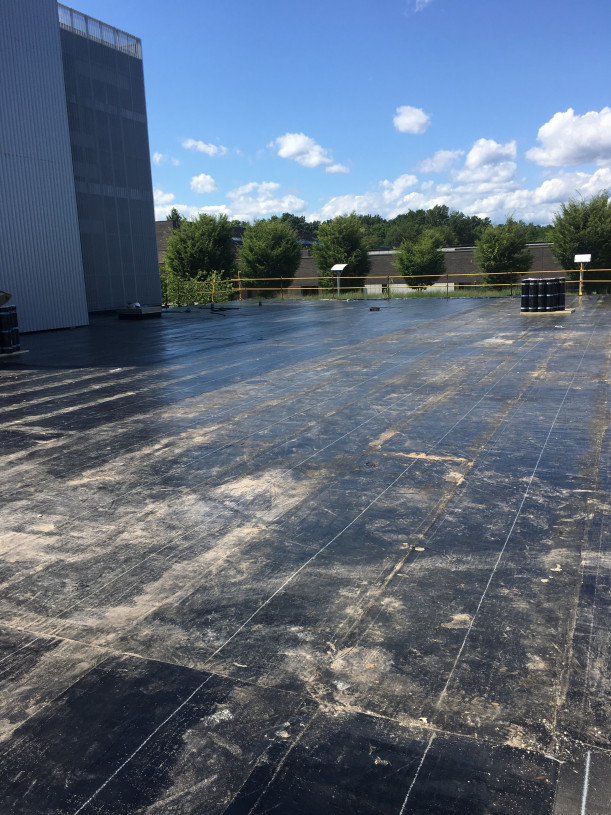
x=40 y=252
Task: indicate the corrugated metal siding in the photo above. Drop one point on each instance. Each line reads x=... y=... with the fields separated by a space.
x=40 y=252
x=112 y=170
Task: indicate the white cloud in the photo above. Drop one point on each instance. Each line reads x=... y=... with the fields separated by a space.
x=395 y=190
x=568 y=140
x=569 y=185
x=376 y=202
x=496 y=194
x=217 y=209
x=439 y=161
x=337 y=168
x=203 y=183
x=165 y=201
x=163 y=210
x=411 y=120
x=538 y=204
x=263 y=188
x=246 y=203
x=389 y=199
x=162 y=158
x=202 y=147
x=191 y=212
x=419 y=5
x=260 y=200
x=344 y=205
x=161 y=197
x=488 y=151
x=302 y=149
x=491 y=174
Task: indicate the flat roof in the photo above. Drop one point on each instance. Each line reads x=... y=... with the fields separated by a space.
x=306 y=557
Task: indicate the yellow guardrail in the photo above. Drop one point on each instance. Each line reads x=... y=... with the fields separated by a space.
x=218 y=289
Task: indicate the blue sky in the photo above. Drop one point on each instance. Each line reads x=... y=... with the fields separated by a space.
x=493 y=107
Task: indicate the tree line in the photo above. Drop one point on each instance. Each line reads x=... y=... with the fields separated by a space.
x=204 y=249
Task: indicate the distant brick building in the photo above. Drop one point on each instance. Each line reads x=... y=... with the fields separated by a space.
x=460 y=268
x=163 y=230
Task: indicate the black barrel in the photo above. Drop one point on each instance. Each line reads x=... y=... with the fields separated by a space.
x=551 y=294
x=541 y=294
x=532 y=296
x=9 y=330
x=524 y=305
x=561 y=293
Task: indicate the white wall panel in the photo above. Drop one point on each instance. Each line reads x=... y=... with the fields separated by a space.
x=40 y=252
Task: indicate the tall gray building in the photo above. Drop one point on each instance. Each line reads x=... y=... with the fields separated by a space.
x=110 y=155
x=76 y=204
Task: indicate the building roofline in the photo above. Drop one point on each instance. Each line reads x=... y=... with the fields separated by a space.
x=97 y=31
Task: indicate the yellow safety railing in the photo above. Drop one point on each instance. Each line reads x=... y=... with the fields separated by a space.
x=218 y=289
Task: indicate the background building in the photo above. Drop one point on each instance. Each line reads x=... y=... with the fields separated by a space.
x=76 y=201
x=459 y=262
x=104 y=84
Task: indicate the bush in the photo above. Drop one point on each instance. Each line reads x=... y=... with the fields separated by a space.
x=195 y=292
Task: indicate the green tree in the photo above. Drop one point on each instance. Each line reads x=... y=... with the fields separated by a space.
x=584 y=227
x=420 y=262
x=175 y=216
x=466 y=229
x=374 y=229
x=200 y=248
x=501 y=252
x=458 y=229
x=270 y=249
x=536 y=233
x=405 y=227
x=437 y=216
x=341 y=240
x=306 y=230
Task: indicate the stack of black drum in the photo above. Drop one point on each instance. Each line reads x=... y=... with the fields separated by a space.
x=9 y=330
x=543 y=294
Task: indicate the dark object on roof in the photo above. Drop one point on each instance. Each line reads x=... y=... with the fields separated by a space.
x=138 y=312
x=4 y=297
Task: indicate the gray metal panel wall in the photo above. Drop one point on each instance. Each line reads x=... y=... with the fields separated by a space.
x=112 y=172
x=40 y=252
